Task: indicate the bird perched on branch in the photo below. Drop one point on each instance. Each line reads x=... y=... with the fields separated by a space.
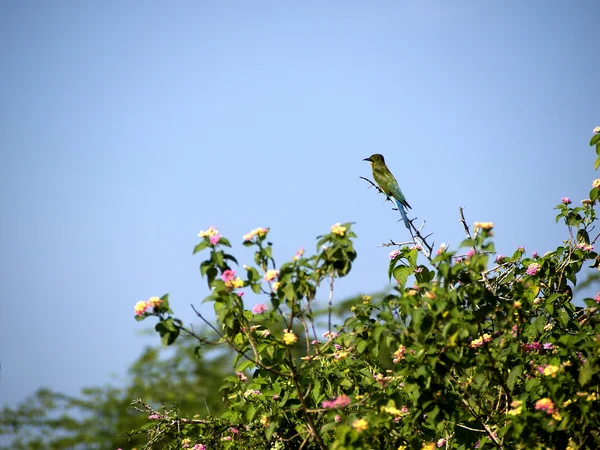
x=388 y=184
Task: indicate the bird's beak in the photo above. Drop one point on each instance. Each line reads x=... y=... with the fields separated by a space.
x=368 y=159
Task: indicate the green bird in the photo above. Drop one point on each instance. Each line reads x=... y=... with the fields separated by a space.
x=388 y=184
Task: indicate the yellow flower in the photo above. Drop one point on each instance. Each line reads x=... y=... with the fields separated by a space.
x=596 y=130
x=428 y=446
x=208 y=233
x=367 y=299
x=517 y=408
x=298 y=254
x=551 y=371
x=271 y=275
x=592 y=397
x=153 y=302
x=391 y=410
x=596 y=183
x=260 y=232
x=237 y=283
x=276 y=285
x=140 y=308
x=264 y=420
x=289 y=337
x=360 y=425
x=338 y=229
x=484 y=225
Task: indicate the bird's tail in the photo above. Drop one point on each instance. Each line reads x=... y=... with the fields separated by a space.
x=403 y=212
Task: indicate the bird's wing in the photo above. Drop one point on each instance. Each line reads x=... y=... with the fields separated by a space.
x=391 y=185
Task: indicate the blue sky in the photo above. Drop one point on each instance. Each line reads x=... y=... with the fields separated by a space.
x=126 y=127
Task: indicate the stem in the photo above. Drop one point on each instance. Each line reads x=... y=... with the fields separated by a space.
x=331 y=280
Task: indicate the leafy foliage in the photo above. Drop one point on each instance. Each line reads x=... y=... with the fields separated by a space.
x=101 y=417
x=474 y=353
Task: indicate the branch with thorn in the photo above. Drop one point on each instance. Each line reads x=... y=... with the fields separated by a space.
x=417 y=237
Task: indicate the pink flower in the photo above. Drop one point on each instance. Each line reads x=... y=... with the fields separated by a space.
x=241 y=376
x=140 y=308
x=340 y=402
x=154 y=416
x=199 y=447
x=228 y=275
x=534 y=346
x=240 y=294
x=271 y=275
x=471 y=252
x=548 y=346
x=533 y=269
x=546 y=405
x=259 y=309
x=337 y=418
x=597 y=298
x=534 y=255
x=500 y=258
x=394 y=253
x=566 y=200
x=214 y=240
x=234 y=430
x=441 y=442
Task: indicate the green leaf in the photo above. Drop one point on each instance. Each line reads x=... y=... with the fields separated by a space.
x=361 y=346
x=201 y=246
x=563 y=317
x=585 y=374
x=595 y=139
x=225 y=242
x=401 y=274
x=514 y=375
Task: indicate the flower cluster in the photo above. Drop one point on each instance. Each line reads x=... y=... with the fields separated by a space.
x=259 y=309
x=548 y=370
x=241 y=376
x=394 y=253
x=143 y=306
x=212 y=234
x=585 y=247
x=289 y=337
x=399 y=354
x=339 y=402
x=596 y=183
x=533 y=268
x=298 y=254
x=484 y=225
x=360 y=425
x=565 y=200
x=260 y=232
x=479 y=341
x=547 y=405
x=231 y=281
x=516 y=406
x=338 y=229
x=271 y=275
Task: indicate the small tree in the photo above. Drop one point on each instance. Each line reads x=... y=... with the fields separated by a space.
x=478 y=352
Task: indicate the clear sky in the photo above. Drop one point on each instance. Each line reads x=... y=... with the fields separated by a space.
x=127 y=127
